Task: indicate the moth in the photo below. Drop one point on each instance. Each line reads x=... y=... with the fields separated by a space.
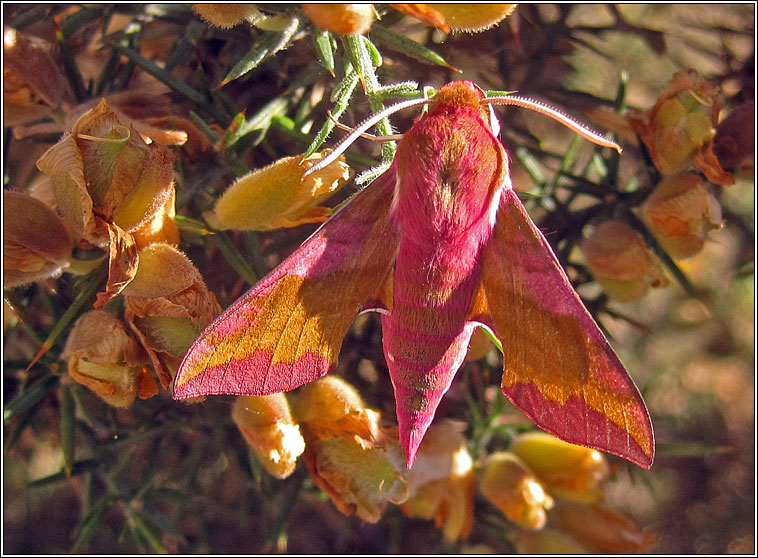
x=439 y=245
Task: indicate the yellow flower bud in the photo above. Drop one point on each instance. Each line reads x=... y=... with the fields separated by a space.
x=36 y=243
x=227 y=15
x=103 y=357
x=473 y=17
x=567 y=470
x=601 y=529
x=33 y=85
x=359 y=480
x=508 y=484
x=680 y=212
x=345 y=19
x=620 y=261
x=167 y=304
x=547 y=541
x=327 y=399
x=441 y=482
x=680 y=123
x=330 y=407
x=278 y=195
x=104 y=169
x=267 y=425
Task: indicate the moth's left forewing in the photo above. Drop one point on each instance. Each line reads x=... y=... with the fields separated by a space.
x=288 y=329
x=558 y=367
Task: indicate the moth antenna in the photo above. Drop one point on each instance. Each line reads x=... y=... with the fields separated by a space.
x=557 y=115
x=372 y=137
x=348 y=140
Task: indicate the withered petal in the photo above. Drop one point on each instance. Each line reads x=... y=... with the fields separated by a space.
x=63 y=161
x=163 y=271
x=123 y=261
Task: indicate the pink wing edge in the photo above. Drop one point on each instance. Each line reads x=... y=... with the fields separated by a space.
x=236 y=378
x=601 y=433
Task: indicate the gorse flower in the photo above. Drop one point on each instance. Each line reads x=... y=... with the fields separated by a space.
x=681 y=123
x=268 y=427
x=344 y=19
x=103 y=357
x=278 y=195
x=508 y=484
x=166 y=305
x=103 y=172
x=441 y=483
x=227 y=15
x=348 y=453
x=33 y=86
x=473 y=18
x=620 y=261
x=601 y=529
x=680 y=212
x=567 y=470
x=36 y=242
x=108 y=184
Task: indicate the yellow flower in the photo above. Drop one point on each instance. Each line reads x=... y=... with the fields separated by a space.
x=167 y=305
x=680 y=212
x=548 y=541
x=569 y=471
x=601 y=529
x=267 y=425
x=349 y=455
x=103 y=357
x=473 y=17
x=345 y=19
x=620 y=261
x=680 y=123
x=36 y=243
x=32 y=83
x=508 y=484
x=104 y=169
x=227 y=15
x=441 y=482
x=359 y=480
x=278 y=195
x=108 y=184
x=331 y=407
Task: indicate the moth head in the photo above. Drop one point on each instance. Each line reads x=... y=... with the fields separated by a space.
x=466 y=93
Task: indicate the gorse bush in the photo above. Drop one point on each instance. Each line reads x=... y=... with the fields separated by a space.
x=159 y=160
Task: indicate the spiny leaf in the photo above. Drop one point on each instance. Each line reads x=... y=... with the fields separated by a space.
x=324 y=43
x=346 y=89
x=360 y=58
x=271 y=43
x=91 y=284
x=91 y=522
x=71 y=68
x=146 y=531
x=30 y=396
x=233 y=256
x=409 y=47
x=67 y=427
x=171 y=81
